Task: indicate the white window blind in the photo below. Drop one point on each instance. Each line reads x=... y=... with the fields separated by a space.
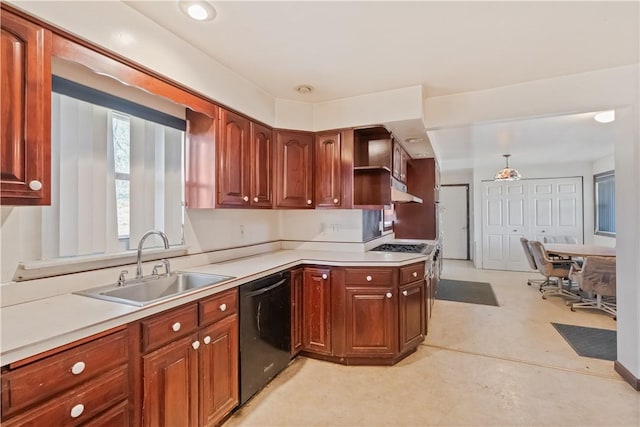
x=83 y=216
x=605 y=197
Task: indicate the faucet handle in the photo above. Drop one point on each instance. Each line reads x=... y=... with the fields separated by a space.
x=121 y=278
x=163 y=264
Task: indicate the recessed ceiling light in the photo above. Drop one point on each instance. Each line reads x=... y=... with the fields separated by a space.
x=605 y=116
x=199 y=10
x=303 y=89
x=412 y=140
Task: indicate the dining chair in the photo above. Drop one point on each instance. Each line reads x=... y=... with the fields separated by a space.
x=532 y=263
x=558 y=269
x=597 y=278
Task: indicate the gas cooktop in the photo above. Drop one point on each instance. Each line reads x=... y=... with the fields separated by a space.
x=417 y=248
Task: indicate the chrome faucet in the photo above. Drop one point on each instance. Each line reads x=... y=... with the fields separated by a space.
x=142 y=239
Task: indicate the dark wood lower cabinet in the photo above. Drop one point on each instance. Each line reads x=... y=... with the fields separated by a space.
x=412 y=317
x=170 y=385
x=369 y=321
x=366 y=315
x=297 y=277
x=218 y=370
x=316 y=308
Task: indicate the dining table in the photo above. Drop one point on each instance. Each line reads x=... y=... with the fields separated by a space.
x=578 y=250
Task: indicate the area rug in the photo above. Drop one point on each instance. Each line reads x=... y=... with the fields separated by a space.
x=589 y=342
x=461 y=291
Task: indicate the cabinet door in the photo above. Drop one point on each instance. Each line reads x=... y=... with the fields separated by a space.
x=369 y=321
x=411 y=306
x=328 y=170
x=25 y=106
x=404 y=159
x=260 y=166
x=316 y=310
x=219 y=370
x=296 y=311
x=170 y=385
x=200 y=157
x=294 y=170
x=397 y=160
x=232 y=157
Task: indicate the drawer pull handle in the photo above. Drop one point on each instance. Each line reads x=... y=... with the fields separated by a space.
x=335 y=201
x=369 y=278
x=77 y=410
x=309 y=202
x=405 y=293
x=389 y=295
x=324 y=276
x=223 y=307
x=77 y=368
x=207 y=339
x=35 y=185
x=176 y=327
x=415 y=274
x=195 y=345
x=255 y=199
x=245 y=198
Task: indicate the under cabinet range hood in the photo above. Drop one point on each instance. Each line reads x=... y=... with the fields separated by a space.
x=399 y=193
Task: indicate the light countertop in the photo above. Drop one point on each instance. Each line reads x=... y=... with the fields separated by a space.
x=36 y=326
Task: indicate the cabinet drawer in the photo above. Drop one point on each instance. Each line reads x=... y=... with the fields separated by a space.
x=369 y=276
x=39 y=380
x=411 y=273
x=166 y=327
x=118 y=416
x=218 y=306
x=78 y=405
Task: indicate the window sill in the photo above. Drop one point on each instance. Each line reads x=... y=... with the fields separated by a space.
x=55 y=267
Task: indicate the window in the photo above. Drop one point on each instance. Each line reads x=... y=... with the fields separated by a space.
x=116 y=173
x=605 y=203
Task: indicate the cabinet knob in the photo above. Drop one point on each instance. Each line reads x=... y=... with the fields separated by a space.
x=207 y=339
x=335 y=201
x=245 y=198
x=195 y=345
x=389 y=295
x=324 y=276
x=255 y=199
x=176 y=327
x=415 y=274
x=309 y=201
x=405 y=293
x=223 y=307
x=369 y=278
x=77 y=368
x=77 y=410
x=35 y=185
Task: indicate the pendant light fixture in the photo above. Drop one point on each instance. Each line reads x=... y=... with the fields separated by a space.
x=507 y=173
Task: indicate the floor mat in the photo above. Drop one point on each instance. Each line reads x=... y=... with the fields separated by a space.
x=589 y=342
x=461 y=291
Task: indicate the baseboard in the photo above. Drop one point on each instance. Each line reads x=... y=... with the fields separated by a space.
x=627 y=375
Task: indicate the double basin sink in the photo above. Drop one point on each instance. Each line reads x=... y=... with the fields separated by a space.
x=147 y=290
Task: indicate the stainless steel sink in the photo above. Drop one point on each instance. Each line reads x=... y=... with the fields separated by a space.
x=141 y=292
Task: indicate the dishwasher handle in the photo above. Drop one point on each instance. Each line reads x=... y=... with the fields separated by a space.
x=265 y=290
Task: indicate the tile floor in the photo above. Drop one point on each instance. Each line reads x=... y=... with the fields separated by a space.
x=479 y=366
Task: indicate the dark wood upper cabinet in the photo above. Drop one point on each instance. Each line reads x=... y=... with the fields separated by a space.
x=334 y=169
x=294 y=170
x=25 y=144
x=419 y=220
x=233 y=155
x=261 y=186
x=200 y=175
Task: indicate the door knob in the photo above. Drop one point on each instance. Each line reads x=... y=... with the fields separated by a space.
x=195 y=345
x=207 y=339
x=245 y=198
x=335 y=201
x=405 y=293
x=35 y=185
x=389 y=295
x=324 y=277
x=309 y=201
x=255 y=199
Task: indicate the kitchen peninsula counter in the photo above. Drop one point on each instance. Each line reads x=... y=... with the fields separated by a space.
x=33 y=327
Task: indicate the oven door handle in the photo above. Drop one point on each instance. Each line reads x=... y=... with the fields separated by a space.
x=265 y=290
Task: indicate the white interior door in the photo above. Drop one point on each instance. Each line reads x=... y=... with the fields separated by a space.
x=455 y=221
x=527 y=208
x=557 y=208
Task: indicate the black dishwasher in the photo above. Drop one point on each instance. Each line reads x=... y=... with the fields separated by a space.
x=265 y=331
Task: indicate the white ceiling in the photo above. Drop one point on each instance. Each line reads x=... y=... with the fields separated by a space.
x=345 y=49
